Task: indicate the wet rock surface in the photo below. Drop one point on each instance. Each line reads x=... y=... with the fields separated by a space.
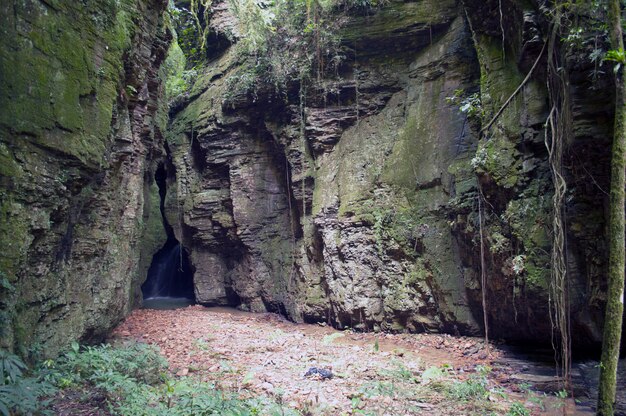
x=333 y=217
x=353 y=202
x=78 y=140
x=356 y=204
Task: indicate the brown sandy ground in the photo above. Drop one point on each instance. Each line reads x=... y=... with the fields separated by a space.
x=374 y=374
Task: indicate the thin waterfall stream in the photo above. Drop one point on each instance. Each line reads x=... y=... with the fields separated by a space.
x=169 y=283
x=170 y=278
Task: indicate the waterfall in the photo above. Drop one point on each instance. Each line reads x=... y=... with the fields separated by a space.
x=168 y=275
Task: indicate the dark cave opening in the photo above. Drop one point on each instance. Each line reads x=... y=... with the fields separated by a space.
x=170 y=274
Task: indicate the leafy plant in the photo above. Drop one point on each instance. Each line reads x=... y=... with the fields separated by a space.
x=378 y=388
x=96 y=365
x=618 y=56
x=518 y=409
x=5 y=284
x=11 y=368
x=468 y=104
x=134 y=382
x=284 y=43
x=562 y=394
x=20 y=394
x=432 y=374
x=401 y=373
x=473 y=388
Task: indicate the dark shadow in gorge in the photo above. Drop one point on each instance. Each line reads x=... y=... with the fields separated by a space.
x=170 y=274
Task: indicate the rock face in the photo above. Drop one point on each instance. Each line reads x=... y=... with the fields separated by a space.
x=333 y=210
x=356 y=202
x=358 y=196
x=514 y=170
x=78 y=137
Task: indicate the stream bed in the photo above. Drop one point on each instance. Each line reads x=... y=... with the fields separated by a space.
x=535 y=369
x=165 y=303
x=228 y=344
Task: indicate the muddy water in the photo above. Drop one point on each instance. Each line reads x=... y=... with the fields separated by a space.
x=164 y=303
x=536 y=369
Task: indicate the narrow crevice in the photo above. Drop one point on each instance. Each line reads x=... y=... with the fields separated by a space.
x=170 y=274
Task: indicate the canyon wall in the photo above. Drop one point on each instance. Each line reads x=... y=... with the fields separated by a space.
x=358 y=196
x=357 y=201
x=79 y=134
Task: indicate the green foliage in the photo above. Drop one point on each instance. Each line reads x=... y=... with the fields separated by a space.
x=468 y=104
x=378 y=388
x=190 y=397
x=20 y=394
x=284 y=41
x=401 y=373
x=178 y=79
x=363 y=4
x=518 y=409
x=475 y=387
x=256 y=23
x=11 y=368
x=618 y=56
x=7 y=314
x=135 y=383
x=277 y=42
x=561 y=394
x=102 y=364
x=201 y=7
x=583 y=30
x=435 y=377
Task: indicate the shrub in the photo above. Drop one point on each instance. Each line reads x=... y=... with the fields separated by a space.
x=139 y=362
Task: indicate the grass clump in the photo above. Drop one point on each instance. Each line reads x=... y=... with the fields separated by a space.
x=475 y=387
x=518 y=409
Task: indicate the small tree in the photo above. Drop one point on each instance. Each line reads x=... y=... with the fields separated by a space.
x=615 y=291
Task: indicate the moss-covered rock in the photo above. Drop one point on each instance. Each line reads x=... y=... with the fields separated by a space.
x=74 y=147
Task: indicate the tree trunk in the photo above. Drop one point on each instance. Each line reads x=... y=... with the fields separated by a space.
x=615 y=291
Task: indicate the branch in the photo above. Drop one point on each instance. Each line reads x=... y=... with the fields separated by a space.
x=505 y=105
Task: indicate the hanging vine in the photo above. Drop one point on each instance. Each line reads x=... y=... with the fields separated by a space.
x=483 y=271
x=557 y=128
x=195 y=11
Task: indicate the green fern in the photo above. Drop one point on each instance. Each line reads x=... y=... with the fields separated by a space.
x=11 y=368
x=20 y=394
